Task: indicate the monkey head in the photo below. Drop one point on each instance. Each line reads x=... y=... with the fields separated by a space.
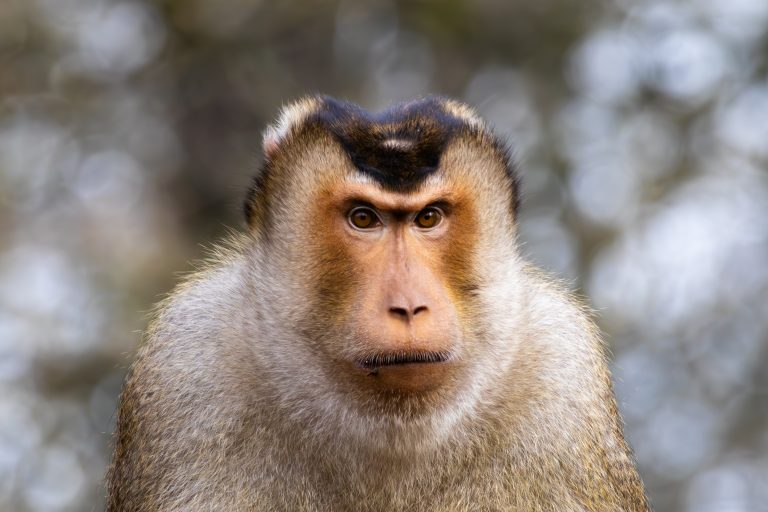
x=383 y=244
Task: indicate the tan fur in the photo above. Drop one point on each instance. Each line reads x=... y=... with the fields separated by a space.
x=234 y=401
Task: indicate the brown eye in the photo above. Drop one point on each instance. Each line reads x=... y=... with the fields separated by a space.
x=363 y=218
x=429 y=218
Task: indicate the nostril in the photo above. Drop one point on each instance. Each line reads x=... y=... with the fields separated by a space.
x=401 y=312
x=420 y=309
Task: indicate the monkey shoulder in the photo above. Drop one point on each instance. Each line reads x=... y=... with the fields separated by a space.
x=559 y=323
x=573 y=387
x=183 y=409
x=193 y=347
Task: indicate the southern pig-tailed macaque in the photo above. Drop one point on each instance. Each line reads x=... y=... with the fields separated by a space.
x=373 y=342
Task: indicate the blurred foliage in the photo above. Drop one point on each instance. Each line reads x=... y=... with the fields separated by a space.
x=130 y=129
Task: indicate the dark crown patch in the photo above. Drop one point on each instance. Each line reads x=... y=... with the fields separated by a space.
x=399 y=147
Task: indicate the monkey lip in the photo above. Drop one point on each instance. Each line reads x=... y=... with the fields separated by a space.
x=374 y=362
x=406 y=371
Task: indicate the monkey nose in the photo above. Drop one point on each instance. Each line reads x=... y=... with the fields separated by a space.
x=407 y=312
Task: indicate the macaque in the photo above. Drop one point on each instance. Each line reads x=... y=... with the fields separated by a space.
x=373 y=341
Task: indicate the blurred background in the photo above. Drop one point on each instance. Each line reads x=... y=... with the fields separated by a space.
x=130 y=129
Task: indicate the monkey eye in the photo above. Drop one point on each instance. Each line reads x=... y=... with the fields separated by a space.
x=429 y=217
x=363 y=217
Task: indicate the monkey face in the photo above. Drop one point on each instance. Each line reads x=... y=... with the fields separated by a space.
x=398 y=317
x=387 y=228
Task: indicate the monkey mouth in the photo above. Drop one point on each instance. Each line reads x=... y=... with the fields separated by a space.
x=373 y=362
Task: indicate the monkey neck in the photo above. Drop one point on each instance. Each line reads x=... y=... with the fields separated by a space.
x=530 y=441
x=522 y=415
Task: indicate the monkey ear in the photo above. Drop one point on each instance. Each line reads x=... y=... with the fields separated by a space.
x=291 y=117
